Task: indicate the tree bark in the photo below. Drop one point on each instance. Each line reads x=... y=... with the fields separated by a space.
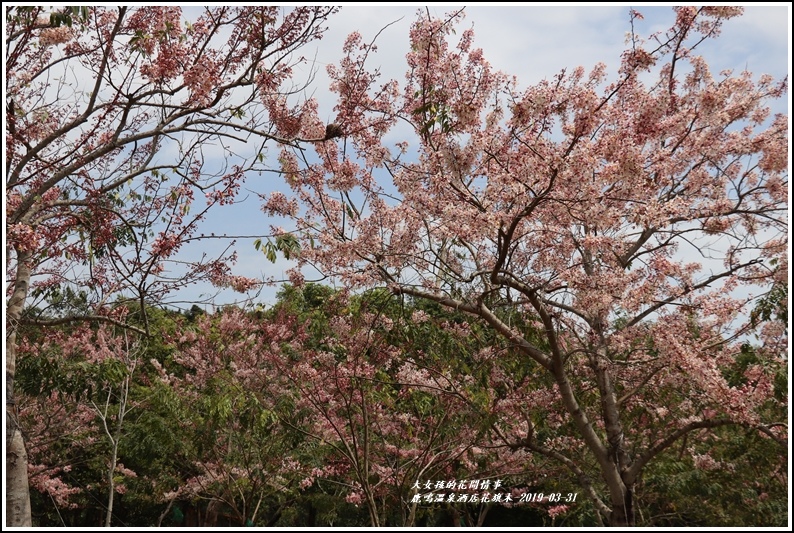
x=17 y=490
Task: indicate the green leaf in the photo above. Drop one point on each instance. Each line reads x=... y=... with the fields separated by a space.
x=270 y=252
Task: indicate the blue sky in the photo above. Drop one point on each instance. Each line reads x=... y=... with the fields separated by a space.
x=529 y=42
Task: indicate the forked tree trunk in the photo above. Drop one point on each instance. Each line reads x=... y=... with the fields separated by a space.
x=17 y=490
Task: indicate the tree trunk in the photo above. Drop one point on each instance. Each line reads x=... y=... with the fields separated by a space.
x=17 y=490
x=411 y=521
x=124 y=391
x=483 y=513
x=111 y=485
x=623 y=511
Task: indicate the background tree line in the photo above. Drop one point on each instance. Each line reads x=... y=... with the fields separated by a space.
x=324 y=410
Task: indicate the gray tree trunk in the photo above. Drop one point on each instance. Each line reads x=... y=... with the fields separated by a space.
x=17 y=490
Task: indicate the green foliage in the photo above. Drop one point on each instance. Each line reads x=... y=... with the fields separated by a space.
x=746 y=486
x=751 y=356
x=774 y=306
x=60 y=302
x=66 y=16
x=286 y=243
x=433 y=113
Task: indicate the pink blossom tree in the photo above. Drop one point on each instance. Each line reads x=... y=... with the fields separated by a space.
x=110 y=118
x=627 y=219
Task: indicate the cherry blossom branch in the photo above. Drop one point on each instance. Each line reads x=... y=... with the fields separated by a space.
x=705 y=283
x=636 y=389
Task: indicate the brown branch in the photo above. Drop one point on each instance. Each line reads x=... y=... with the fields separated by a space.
x=85 y=318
